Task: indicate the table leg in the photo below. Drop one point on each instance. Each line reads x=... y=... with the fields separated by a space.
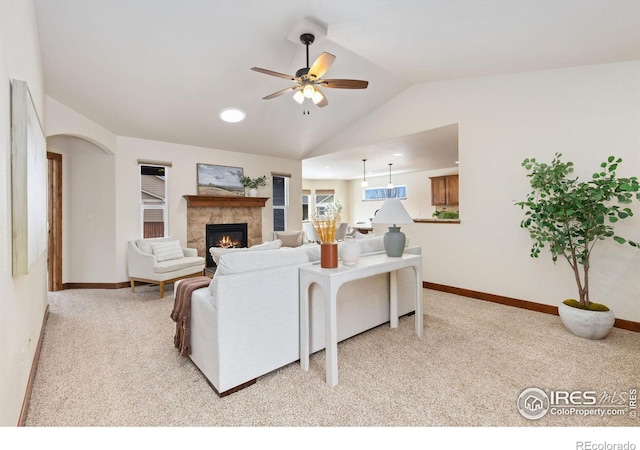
x=418 y=314
x=304 y=323
x=331 y=334
x=393 y=298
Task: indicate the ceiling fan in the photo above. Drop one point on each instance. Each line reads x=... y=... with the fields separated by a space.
x=309 y=79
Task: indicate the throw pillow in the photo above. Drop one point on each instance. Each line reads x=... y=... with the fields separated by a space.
x=218 y=252
x=290 y=238
x=145 y=244
x=269 y=245
x=168 y=250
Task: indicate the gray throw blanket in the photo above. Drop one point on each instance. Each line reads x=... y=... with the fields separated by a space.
x=181 y=313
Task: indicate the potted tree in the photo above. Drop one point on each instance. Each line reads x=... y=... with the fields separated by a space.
x=253 y=184
x=569 y=217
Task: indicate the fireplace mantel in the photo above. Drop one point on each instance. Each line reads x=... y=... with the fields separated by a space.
x=225 y=201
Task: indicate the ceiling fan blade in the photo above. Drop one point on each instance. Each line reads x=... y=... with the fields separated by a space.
x=323 y=101
x=279 y=93
x=344 y=84
x=272 y=73
x=321 y=65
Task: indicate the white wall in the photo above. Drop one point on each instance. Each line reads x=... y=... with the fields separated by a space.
x=586 y=113
x=24 y=298
x=101 y=185
x=88 y=206
x=183 y=181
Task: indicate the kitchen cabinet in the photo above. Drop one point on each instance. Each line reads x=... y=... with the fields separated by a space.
x=444 y=190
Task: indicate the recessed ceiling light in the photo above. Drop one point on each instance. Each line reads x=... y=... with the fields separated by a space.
x=397 y=154
x=232 y=115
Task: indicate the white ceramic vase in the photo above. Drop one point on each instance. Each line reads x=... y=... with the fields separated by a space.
x=253 y=192
x=586 y=324
x=350 y=251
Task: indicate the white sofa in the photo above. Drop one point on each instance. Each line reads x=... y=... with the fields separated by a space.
x=160 y=261
x=246 y=322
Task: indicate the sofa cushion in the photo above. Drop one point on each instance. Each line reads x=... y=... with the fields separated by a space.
x=217 y=252
x=311 y=251
x=167 y=250
x=178 y=264
x=269 y=245
x=370 y=245
x=249 y=261
x=290 y=238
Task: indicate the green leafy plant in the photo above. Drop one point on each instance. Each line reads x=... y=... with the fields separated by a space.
x=568 y=216
x=254 y=183
x=446 y=215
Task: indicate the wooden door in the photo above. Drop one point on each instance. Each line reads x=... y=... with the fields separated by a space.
x=438 y=191
x=452 y=190
x=54 y=214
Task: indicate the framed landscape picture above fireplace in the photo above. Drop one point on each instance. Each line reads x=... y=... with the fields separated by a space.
x=219 y=180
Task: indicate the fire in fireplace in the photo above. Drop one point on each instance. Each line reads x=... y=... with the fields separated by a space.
x=225 y=235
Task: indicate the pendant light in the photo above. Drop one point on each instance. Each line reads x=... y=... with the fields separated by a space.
x=364 y=183
x=390 y=185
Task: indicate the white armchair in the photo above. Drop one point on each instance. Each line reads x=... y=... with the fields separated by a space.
x=341 y=231
x=310 y=232
x=162 y=260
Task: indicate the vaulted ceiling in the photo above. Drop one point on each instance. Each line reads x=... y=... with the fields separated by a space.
x=164 y=69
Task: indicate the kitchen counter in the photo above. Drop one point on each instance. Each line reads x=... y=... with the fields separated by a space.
x=436 y=220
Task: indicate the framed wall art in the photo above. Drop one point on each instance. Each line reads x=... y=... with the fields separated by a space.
x=220 y=180
x=28 y=181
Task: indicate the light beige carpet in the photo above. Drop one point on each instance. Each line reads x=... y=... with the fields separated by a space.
x=108 y=360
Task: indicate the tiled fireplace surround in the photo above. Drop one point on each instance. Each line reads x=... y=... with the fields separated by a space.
x=202 y=210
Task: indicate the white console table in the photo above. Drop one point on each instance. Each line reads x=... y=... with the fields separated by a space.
x=330 y=281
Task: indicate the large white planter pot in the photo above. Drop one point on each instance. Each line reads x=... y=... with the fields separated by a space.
x=586 y=324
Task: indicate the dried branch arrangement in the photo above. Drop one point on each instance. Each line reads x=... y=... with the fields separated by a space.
x=326 y=224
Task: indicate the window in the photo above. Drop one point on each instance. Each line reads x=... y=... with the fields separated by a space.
x=324 y=197
x=280 y=185
x=383 y=193
x=306 y=195
x=153 y=201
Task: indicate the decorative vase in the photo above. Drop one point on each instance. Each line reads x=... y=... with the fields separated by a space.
x=328 y=256
x=585 y=323
x=350 y=251
x=253 y=192
x=394 y=241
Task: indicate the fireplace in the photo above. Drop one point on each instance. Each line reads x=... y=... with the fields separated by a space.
x=225 y=235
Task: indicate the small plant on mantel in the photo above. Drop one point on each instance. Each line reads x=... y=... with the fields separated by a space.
x=568 y=216
x=254 y=183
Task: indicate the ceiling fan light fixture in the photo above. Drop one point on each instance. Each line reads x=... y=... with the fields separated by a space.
x=308 y=91
x=307 y=78
x=364 y=183
x=299 y=97
x=317 y=97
